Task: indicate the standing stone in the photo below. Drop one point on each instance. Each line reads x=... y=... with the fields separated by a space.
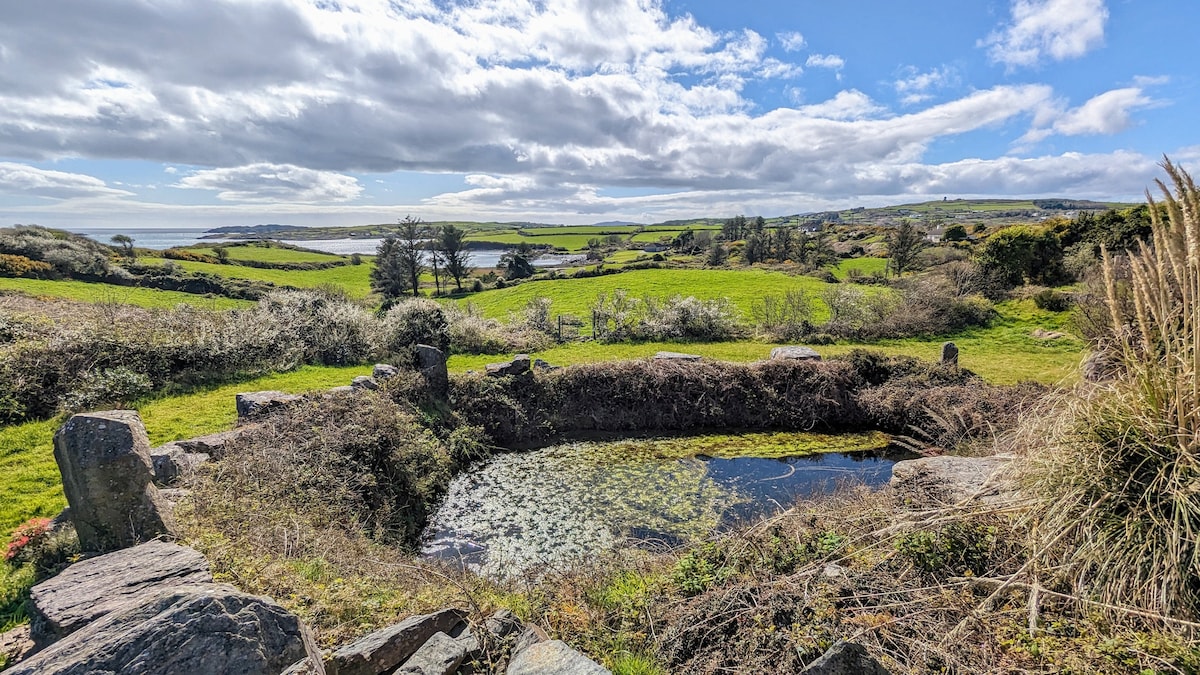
x=431 y=361
x=107 y=476
x=949 y=354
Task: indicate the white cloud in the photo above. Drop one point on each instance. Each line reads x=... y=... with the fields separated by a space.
x=916 y=87
x=273 y=182
x=791 y=41
x=1054 y=29
x=831 y=61
x=20 y=179
x=1104 y=114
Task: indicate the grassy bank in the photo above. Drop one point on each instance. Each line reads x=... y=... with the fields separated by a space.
x=355 y=280
x=84 y=291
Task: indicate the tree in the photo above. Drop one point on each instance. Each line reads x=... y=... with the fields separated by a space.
x=734 y=229
x=222 y=254
x=717 y=255
x=904 y=243
x=398 y=264
x=755 y=249
x=955 y=233
x=1023 y=253
x=388 y=278
x=456 y=259
x=516 y=265
x=125 y=242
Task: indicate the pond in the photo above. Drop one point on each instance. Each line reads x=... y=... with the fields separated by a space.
x=553 y=506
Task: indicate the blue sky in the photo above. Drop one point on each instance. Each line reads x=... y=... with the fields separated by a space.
x=157 y=113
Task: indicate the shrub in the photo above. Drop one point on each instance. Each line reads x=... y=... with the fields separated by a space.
x=785 y=317
x=411 y=322
x=109 y=387
x=26 y=538
x=20 y=266
x=68 y=254
x=1052 y=300
x=329 y=329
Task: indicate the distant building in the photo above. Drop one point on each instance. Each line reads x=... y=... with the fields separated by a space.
x=655 y=248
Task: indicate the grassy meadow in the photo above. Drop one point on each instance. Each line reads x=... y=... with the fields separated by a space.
x=30 y=485
x=577 y=296
x=355 y=280
x=271 y=254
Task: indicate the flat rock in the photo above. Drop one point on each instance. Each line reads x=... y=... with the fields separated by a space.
x=172 y=463
x=212 y=445
x=553 y=657
x=953 y=479
x=205 y=628
x=440 y=655
x=845 y=658
x=794 y=353
x=383 y=650
x=676 y=356
x=99 y=586
x=257 y=403
x=383 y=371
x=519 y=365
x=364 y=382
x=104 y=459
x=15 y=644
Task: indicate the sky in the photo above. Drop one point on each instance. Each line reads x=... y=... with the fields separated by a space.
x=177 y=113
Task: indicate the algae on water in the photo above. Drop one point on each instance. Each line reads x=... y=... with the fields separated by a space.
x=523 y=510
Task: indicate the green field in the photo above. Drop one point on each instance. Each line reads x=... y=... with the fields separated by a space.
x=577 y=296
x=30 y=485
x=273 y=254
x=867 y=266
x=355 y=279
x=570 y=242
x=84 y=291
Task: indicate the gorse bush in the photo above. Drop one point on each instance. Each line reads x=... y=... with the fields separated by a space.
x=1118 y=508
x=68 y=254
x=623 y=317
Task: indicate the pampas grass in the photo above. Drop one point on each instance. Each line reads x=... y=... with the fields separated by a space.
x=1118 y=480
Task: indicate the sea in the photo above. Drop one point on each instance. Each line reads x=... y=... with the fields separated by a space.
x=163 y=238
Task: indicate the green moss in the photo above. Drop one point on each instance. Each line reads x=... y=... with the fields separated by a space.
x=770 y=445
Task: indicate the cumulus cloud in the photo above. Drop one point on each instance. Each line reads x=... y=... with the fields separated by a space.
x=1105 y=114
x=20 y=179
x=532 y=100
x=1054 y=29
x=273 y=182
x=791 y=41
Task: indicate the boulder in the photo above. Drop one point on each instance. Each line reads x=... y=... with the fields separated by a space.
x=383 y=371
x=108 y=479
x=431 y=362
x=519 y=365
x=949 y=354
x=553 y=657
x=344 y=389
x=794 y=353
x=953 y=479
x=385 y=649
x=257 y=403
x=205 y=628
x=364 y=382
x=845 y=658
x=172 y=463
x=543 y=365
x=99 y=586
x=676 y=356
x=440 y=655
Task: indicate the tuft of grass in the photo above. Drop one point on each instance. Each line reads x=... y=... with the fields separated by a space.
x=1119 y=507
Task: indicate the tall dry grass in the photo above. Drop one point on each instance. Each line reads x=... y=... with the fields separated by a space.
x=1118 y=482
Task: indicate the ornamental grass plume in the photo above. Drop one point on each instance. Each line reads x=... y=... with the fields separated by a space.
x=1117 y=483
